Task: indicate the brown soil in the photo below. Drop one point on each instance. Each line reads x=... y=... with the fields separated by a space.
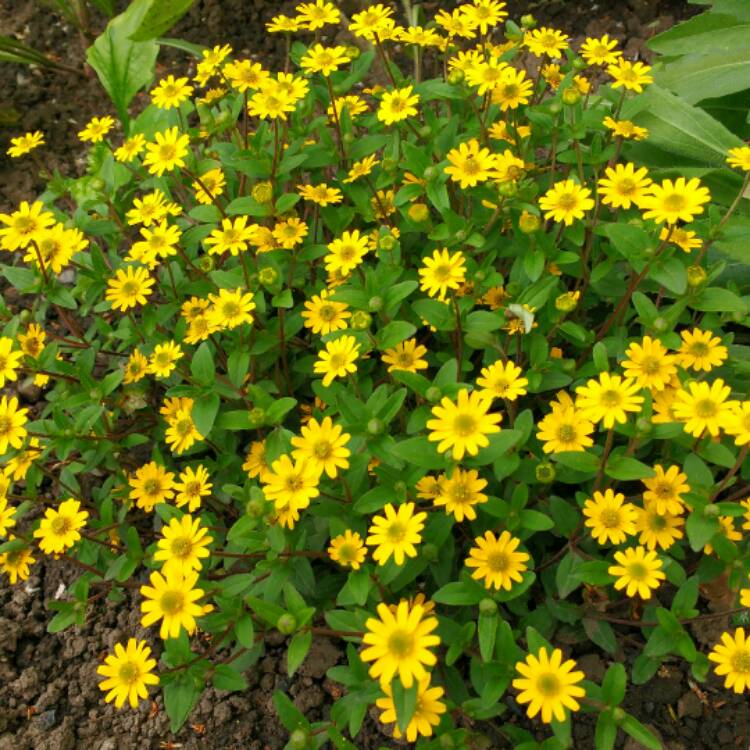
x=49 y=699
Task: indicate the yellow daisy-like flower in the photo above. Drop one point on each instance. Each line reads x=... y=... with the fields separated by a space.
x=629 y=75
x=373 y=22
x=183 y=545
x=32 y=341
x=462 y=426
x=323 y=446
x=231 y=308
x=658 y=529
x=255 y=461
x=136 y=367
x=485 y=75
x=23 y=225
x=665 y=490
x=426 y=714
x=129 y=672
x=151 y=484
x=7 y=512
x=738 y=425
x=291 y=483
x=496 y=560
x=312 y=16
x=566 y=201
x=164 y=359
x=549 y=685
x=460 y=492
x=324 y=60
x=170 y=92
x=324 y=315
x=441 y=272
x=282 y=24
x=502 y=380
x=638 y=572
x=703 y=407
x=245 y=74
x=209 y=186
x=96 y=129
x=670 y=202
x=625 y=129
x=25 y=143
x=398 y=105
x=513 y=90
x=396 y=533
x=348 y=550
x=19 y=465
x=9 y=360
x=406 y=356
x=271 y=102
x=59 y=529
x=600 y=51
x=546 y=41
x=701 y=350
x=182 y=433
x=685 y=239
x=624 y=185
x=167 y=152
x=732 y=659
x=353 y=105
x=726 y=528
x=129 y=288
x=192 y=487
x=609 y=517
x=399 y=643
x=649 y=364
x=158 y=242
x=12 y=421
x=608 y=399
x=739 y=157
x=171 y=598
x=471 y=164
x=338 y=359
x=565 y=428
x=484 y=15
x=662 y=403
x=232 y=236
x=321 y=194
x=290 y=233
x=130 y=148
x=15 y=563
x=361 y=168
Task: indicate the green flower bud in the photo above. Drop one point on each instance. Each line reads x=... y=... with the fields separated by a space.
x=255 y=508
x=286 y=624
x=375 y=427
x=555 y=107
x=528 y=21
x=268 y=276
x=507 y=189
x=488 y=607
x=389 y=164
x=660 y=324
x=569 y=365
x=433 y=394
x=571 y=96
x=399 y=487
x=430 y=173
x=375 y=304
x=455 y=77
x=206 y=263
x=480 y=276
x=696 y=275
x=643 y=426
x=618 y=715
x=513 y=288
x=430 y=552
x=529 y=223
x=348 y=138
x=461 y=235
x=419 y=212
x=567 y=302
x=387 y=243
x=579 y=64
x=360 y=320
x=425 y=131
x=352 y=51
x=262 y=192
x=298 y=740
x=712 y=510
x=545 y=473
x=257 y=415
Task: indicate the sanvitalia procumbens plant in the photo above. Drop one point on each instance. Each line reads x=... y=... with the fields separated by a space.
x=417 y=360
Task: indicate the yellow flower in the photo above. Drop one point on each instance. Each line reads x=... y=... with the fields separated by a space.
x=397 y=105
x=59 y=529
x=183 y=545
x=460 y=493
x=732 y=659
x=470 y=164
x=129 y=288
x=25 y=143
x=353 y=104
x=441 y=272
x=462 y=426
x=497 y=561
x=484 y=14
x=56 y=246
x=323 y=446
x=701 y=350
x=231 y=308
x=548 y=685
x=321 y=194
x=324 y=315
x=19 y=465
x=15 y=562
x=9 y=360
x=739 y=157
x=337 y=359
x=625 y=129
x=361 y=168
x=638 y=571
x=324 y=60
x=129 y=671
x=345 y=253
x=32 y=342
x=233 y=236
x=167 y=153
x=182 y=433
x=670 y=202
x=130 y=148
x=683 y=238
x=649 y=364
x=208 y=186
x=703 y=407
x=396 y=533
x=629 y=75
x=12 y=421
x=171 y=598
x=245 y=74
x=290 y=233
x=405 y=356
x=348 y=550
x=291 y=483
x=426 y=711
x=96 y=129
x=271 y=102
x=255 y=461
x=624 y=185
x=171 y=92
x=164 y=359
x=151 y=208
x=456 y=23
x=600 y=51
x=282 y=24
x=658 y=529
x=502 y=380
x=665 y=490
x=726 y=528
x=136 y=367
x=608 y=399
x=312 y=16
x=7 y=512
x=486 y=75
x=565 y=201
x=23 y=225
x=375 y=20
x=609 y=517
x=399 y=643
x=546 y=41
x=192 y=487
x=151 y=484
x=738 y=425
x=513 y=90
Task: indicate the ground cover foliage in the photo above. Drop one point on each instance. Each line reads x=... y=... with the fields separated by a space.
x=445 y=359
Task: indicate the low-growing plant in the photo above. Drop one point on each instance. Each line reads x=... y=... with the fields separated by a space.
x=414 y=359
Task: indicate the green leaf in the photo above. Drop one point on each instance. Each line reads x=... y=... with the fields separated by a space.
x=394 y=333
x=124 y=66
x=644 y=668
x=180 y=696
x=700 y=530
x=289 y=714
x=23 y=279
x=716 y=299
x=459 y=593
x=279 y=408
x=204 y=413
x=586 y=463
x=245 y=631
x=630 y=725
x=405 y=702
x=297 y=651
x=626 y=469
x=159 y=18
x=487 y=632
x=613 y=685
x=202 y=365
x=226 y=677
x=601 y=634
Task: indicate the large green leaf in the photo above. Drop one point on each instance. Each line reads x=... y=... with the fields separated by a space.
x=124 y=66
x=694 y=36
x=159 y=18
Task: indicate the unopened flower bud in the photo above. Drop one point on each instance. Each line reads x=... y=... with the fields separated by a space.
x=487 y=607
x=571 y=96
x=257 y=415
x=419 y=212
x=507 y=189
x=567 y=302
x=375 y=426
x=528 y=21
x=696 y=275
x=529 y=223
x=545 y=473
x=433 y=393
x=268 y=276
x=387 y=243
x=455 y=77
x=712 y=510
x=286 y=624
x=262 y=192
x=660 y=324
x=375 y=304
x=206 y=263
x=352 y=51
x=360 y=320
x=429 y=173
